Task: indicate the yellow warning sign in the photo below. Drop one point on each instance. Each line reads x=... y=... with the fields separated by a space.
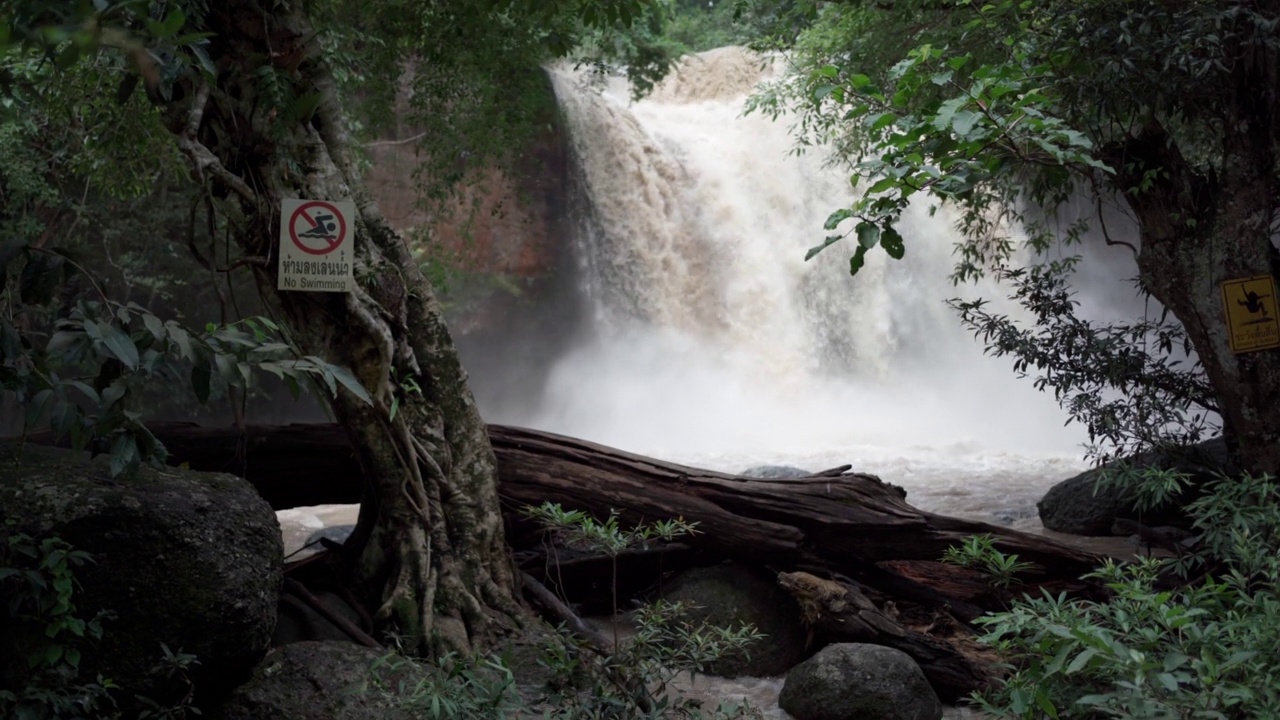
x=1252 y=322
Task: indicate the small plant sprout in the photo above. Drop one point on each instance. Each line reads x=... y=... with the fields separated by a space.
x=979 y=553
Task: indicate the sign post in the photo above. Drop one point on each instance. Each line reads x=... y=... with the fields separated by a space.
x=316 y=245
x=1252 y=320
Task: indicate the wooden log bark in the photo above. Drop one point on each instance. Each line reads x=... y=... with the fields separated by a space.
x=840 y=612
x=844 y=524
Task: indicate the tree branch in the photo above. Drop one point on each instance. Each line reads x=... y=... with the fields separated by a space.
x=203 y=160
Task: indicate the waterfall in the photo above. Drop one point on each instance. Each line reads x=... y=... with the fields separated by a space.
x=710 y=340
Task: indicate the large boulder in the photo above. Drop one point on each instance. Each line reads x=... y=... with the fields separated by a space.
x=729 y=595
x=1081 y=506
x=855 y=681
x=188 y=559
x=316 y=681
x=344 y=681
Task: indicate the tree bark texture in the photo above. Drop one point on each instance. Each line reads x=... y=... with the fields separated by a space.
x=844 y=523
x=429 y=546
x=1199 y=230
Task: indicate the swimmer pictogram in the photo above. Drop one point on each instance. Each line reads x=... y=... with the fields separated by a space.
x=317 y=228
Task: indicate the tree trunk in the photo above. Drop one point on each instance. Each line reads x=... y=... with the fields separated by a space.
x=1198 y=232
x=428 y=546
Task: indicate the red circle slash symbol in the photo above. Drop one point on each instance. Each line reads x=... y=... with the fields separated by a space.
x=317 y=228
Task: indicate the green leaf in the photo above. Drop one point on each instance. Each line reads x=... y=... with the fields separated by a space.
x=350 y=382
x=821 y=92
x=124 y=450
x=882 y=121
x=87 y=390
x=828 y=242
x=172 y=23
x=206 y=63
x=226 y=365
x=1046 y=705
x=892 y=243
x=858 y=260
x=120 y=345
x=181 y=338
x=836 y=218
x=304 y=107
x=153 y=325
x=1081 y=660
x=963 y=121
x=113 y=393
x=868 y=234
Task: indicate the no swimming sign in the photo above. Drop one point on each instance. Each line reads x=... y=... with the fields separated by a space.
x=316 y=245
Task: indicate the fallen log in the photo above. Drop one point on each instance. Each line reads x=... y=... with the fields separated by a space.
x=840 y=612
x=838 y=523
x=842 y=523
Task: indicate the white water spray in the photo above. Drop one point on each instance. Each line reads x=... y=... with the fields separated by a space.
x=713 y=342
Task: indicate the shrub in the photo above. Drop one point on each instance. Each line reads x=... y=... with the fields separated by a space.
x=1203 y=650
x=634 y=679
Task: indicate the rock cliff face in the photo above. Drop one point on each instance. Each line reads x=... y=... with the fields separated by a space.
x=510 y=223
x=511 y=237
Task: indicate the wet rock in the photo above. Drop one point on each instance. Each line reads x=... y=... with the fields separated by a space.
x=729 y=595
x=188 y=559
x=775 y=472
x=323 y=681
x=854 y=680
x=1081 y=506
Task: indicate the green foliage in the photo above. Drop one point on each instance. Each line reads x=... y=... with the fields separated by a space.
x=1198 y=651
x=1125 y=382
x=451 y=687
x=1006 y=104
x=82 y=375
x=979 y=553
x=37 y=578
x=581 y=529
x=633 y=681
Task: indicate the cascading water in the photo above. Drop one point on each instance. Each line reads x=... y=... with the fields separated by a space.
x=712 y=342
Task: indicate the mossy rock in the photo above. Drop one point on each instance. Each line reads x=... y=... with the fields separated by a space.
x=729 y=595
x=188 y=559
